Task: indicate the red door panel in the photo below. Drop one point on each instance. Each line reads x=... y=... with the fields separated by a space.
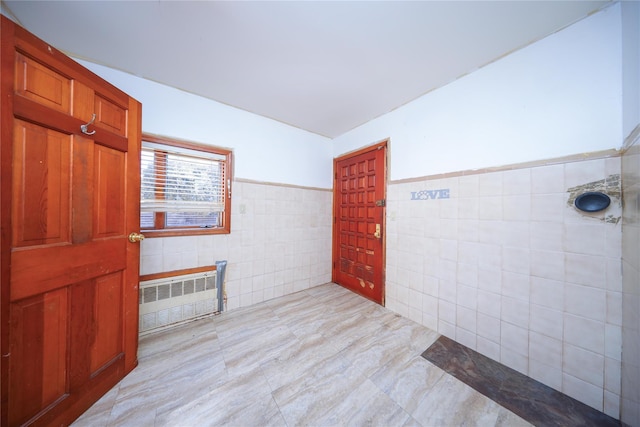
x=39 y=328
x=358 y=236
x=69 y=295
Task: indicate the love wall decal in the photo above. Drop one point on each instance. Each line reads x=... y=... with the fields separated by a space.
x=430 y=194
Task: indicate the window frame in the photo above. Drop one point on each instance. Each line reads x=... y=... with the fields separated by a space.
x=160 y=229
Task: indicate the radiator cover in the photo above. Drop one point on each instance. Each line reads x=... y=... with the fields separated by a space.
x=172 y=300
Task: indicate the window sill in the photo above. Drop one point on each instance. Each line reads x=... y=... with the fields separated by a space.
x=183 y=232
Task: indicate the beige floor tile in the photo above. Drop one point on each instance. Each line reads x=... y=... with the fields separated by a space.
x=321 y=357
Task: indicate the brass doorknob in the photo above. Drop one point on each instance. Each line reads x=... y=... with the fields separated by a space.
x=136 y=237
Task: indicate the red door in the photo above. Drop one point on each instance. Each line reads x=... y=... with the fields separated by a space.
x=359 y=193
x=69 y=301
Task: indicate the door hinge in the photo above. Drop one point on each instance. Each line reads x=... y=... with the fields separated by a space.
x=381 y=202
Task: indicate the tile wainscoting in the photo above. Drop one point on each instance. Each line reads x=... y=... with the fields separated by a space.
x=507 y=266
x=501 y=262
x=280 y=243
x=630 y=413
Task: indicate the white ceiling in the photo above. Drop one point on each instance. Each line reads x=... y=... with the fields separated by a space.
x=326 y=67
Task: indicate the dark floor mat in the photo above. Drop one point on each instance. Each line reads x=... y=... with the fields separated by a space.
x=535 y=402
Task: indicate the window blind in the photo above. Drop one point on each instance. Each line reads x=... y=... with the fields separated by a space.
x=181 y=180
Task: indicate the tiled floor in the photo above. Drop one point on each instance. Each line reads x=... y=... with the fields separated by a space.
x=535 y=402
x=320 y=357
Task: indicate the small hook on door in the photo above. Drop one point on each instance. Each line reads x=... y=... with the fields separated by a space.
x=84 y=128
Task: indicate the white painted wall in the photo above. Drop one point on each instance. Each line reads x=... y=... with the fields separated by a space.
x=264 y=149
x=631 y=66
x=559 y=96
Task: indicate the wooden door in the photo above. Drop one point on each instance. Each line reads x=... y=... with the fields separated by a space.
x=359 y=193
x=69 y=301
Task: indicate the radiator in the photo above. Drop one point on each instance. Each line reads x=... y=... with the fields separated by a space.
x=173 y=300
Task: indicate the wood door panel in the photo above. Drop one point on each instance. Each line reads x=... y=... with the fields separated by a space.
x=89 y=378
x=41 y=184
x=69 y=300
x=42 y=84
x=110 y=116
x=96 y=346
x=107 y=345
x=65 y=265
x=83 y=190
x=358 y=251
x=83 y=101
x=39 y=346
x=30 y=46
x=109 y=192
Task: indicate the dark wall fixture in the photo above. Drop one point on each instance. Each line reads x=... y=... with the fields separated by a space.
x=592 y=201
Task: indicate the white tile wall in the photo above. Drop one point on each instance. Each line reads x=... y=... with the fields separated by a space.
x=280 y=243
x=517 y=273
x=630 y=294
x=504 y=266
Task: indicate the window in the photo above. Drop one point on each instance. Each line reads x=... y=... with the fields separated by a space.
x=185 y=188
